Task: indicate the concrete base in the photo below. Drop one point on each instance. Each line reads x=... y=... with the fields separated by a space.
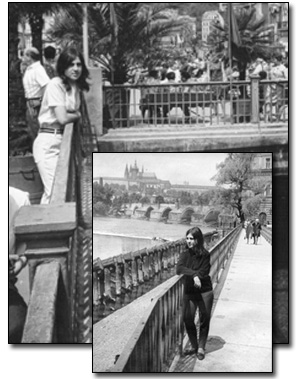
x=193 y=138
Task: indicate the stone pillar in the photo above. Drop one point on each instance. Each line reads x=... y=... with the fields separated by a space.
x=254 y=98
x=94 y=100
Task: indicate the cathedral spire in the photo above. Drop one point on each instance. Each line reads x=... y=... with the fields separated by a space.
x=126 y=174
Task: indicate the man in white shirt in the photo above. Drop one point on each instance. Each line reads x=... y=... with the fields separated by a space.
x=35 y=80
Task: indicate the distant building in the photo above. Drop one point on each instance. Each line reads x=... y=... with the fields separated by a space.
x=262 y=167
x=134 y=177
x=191 y=188
x=141 y=180
x=207 y=20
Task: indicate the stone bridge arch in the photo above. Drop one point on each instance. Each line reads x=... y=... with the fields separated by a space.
x=148 y=211
x=186 y=214
x=165 y=213
x=212 y=216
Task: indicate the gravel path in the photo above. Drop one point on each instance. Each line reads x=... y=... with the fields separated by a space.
x=111 y=334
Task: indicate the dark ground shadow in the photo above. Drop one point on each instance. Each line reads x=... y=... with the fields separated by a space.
x=214 y=343
x=187 y=363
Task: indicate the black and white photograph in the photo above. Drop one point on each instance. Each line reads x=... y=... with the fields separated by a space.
x=124 y=123
x=182 y=262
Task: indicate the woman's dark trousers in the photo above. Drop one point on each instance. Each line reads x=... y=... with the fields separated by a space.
x=189 y=310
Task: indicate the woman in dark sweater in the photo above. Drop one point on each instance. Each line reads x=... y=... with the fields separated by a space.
x=194 y=264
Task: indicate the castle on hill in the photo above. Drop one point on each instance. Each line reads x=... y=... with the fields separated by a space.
x=134 y=176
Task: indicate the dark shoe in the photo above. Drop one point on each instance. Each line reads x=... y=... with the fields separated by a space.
x=190 y=351
x=200 y=354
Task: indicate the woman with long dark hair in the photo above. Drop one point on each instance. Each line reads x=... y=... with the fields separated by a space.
x=194 y=264
x=60 y=106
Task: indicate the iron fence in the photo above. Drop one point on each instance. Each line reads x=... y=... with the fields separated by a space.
x=203 y=104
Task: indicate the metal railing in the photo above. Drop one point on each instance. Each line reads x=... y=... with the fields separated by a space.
x=211 y=103
x=160 y=330
x=267 y=233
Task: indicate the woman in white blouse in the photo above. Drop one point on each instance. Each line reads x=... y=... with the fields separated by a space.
x=60 y=106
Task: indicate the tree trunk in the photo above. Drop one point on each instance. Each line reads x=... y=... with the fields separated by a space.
x=36 y=22
x=18 y=138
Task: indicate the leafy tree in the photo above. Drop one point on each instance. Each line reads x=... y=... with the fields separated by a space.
x=19 y=140
x=252 y=205
x=206 y=197
x=145 y=200
x=121 y=35
x=100 y=209
x=135 y=197
x=102 y=194
x=159 y=199
x=256 y=39
x=237 y=174
x=185 y=198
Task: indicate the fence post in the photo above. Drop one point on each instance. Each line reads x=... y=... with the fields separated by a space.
x=254 y=98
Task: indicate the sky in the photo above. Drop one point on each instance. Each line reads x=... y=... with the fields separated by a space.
x=195 y=168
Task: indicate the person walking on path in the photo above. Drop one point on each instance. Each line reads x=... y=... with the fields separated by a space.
x=249 y=231
x=256 y=231
x=194 y=264
x=35 y=80
x=60 y=106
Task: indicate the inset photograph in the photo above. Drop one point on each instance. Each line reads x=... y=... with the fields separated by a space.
x=182 y=262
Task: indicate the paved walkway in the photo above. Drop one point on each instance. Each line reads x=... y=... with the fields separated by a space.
x=240 y=337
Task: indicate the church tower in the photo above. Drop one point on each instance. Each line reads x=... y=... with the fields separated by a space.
x=134 y=171
x=126 y=174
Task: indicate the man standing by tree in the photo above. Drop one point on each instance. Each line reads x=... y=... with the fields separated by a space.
x=34 y=81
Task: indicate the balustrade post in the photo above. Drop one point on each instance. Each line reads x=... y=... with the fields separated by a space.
x=101 y=284
x=172 y=258
x=156 y=266
x=128 y=280
x=159 y=259
x=140 y=270
x=96 y=292
x=146 y=268
x=134 y=274
x=118 y=279
x=107 y=283
x=254 y=98
x=151 y=266
x=164 y=261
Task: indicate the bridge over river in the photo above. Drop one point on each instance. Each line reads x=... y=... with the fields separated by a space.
x=147 y=335
x=173 y=213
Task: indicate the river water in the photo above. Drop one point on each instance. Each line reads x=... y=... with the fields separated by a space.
x=115 y=236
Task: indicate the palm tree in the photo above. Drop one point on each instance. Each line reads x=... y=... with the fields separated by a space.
x=256 y=39
x=121 y=35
